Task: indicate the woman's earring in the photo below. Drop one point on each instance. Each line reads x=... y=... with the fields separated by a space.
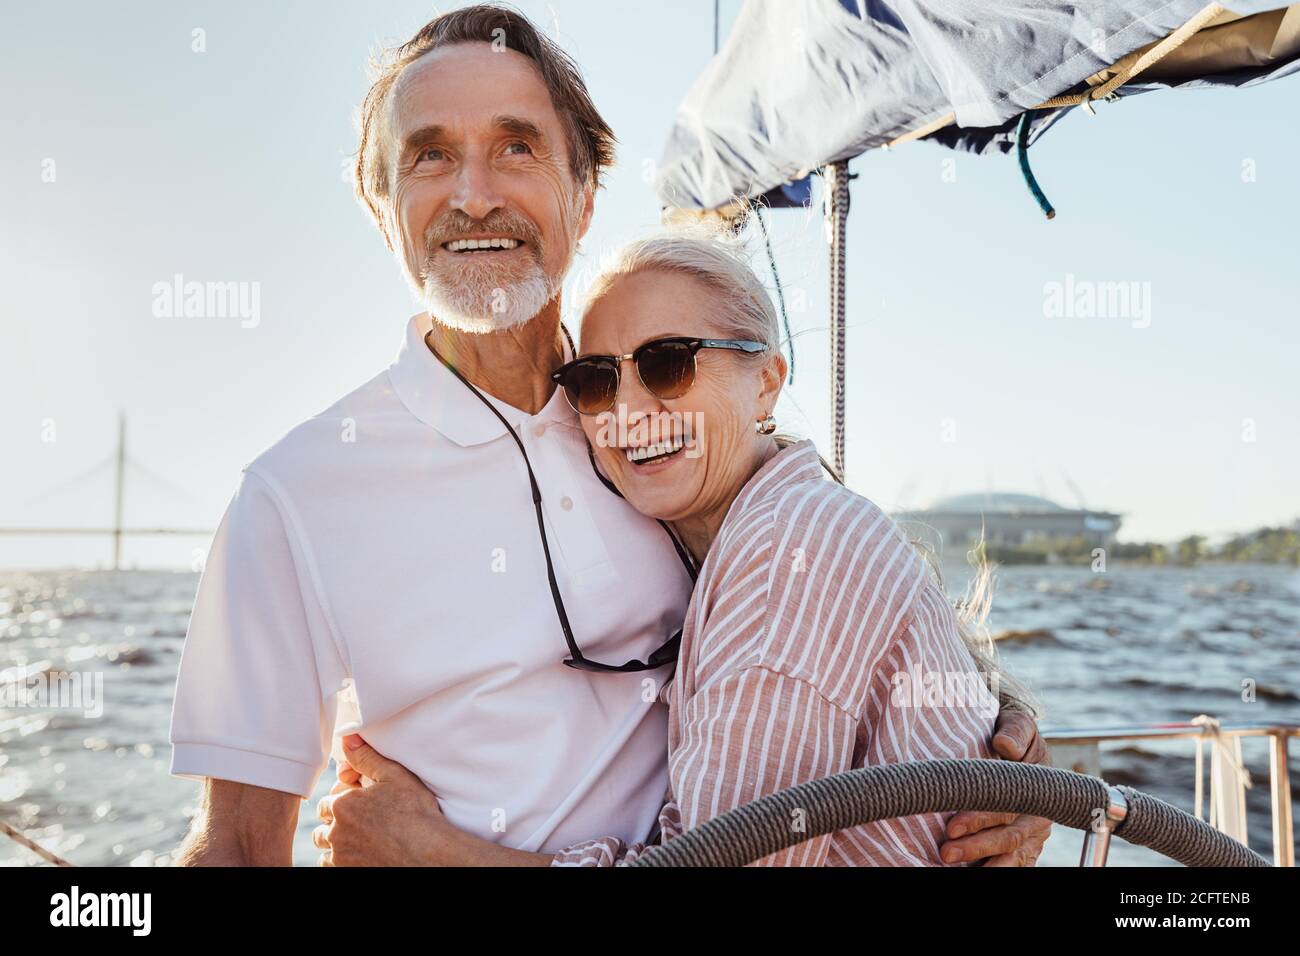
x=765 y=426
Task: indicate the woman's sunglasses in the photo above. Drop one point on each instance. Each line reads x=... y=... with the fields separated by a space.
x=665 y=366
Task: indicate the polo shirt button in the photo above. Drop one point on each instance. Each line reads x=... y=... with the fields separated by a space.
x=539 y=431
x=566 y=503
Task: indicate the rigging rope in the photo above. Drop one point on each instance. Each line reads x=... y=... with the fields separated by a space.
x=1022 y=154
x=1148 y=59
x=36 y=848
x=780 y=293
x=837 y=208
x=1227 y=754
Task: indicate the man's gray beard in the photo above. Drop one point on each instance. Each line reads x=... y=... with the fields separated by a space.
x=476 y=304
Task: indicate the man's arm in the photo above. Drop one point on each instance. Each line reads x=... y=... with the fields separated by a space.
x=357 y=833
x=241 y=825
x=255 y=695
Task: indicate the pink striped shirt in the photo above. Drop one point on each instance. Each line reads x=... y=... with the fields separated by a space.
x=816 y=641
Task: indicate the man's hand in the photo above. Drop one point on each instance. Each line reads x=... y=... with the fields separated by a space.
x=389 y=818
x=1003 y=839
x=381 y=814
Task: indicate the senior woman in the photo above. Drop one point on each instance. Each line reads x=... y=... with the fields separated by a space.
x=814 y=621
x=817 y=638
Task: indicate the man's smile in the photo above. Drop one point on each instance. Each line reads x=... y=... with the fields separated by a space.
x=487 y=244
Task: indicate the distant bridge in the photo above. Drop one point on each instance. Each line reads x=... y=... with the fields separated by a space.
x=117 y=532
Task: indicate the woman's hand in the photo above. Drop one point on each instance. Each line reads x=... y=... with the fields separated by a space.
x=1003 y=839
x=381 y=814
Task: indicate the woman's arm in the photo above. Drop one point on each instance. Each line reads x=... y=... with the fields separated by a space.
x=753 y=731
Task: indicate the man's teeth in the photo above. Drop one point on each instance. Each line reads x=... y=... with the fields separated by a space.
x=654 y=451
x=463 y=245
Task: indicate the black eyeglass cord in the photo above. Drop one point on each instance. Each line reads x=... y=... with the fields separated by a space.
x=578 y=659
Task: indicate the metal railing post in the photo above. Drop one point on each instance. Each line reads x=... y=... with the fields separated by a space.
x=1096 y=841
x=1280 y=780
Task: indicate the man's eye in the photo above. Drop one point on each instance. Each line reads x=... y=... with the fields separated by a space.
x=519 y=149
x=433 y=154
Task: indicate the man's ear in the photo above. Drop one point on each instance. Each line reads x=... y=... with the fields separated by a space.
x=388 y=227
x=588 y=207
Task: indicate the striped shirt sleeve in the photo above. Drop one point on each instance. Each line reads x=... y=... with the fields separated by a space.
x=807 y=607
x=754 y=731
x=611 y=851
x=927 y=701
x=819 y=592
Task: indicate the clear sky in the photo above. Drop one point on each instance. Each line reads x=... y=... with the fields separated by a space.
x=228 y=165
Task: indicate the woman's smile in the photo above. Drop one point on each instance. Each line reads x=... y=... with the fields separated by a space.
x=657 y=458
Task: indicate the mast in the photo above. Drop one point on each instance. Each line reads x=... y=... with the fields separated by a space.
x=121 y=473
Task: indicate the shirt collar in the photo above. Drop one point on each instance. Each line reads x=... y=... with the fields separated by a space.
x=792 y=465
x=438 y=398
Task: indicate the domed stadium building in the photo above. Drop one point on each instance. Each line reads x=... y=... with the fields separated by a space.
x=1012 y=521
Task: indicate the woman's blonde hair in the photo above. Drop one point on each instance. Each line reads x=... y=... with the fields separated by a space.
x=719 y=260
x=713 y=258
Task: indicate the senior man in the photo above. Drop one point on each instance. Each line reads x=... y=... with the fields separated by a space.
x=437 y=542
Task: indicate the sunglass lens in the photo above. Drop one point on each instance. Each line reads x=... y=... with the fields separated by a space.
x=591 y=386
x=667 y=369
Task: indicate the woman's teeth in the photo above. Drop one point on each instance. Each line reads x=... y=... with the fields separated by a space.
x=649 y=452
x=468 y=245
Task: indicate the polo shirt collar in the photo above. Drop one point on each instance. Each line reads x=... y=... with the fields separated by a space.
x=440 y=400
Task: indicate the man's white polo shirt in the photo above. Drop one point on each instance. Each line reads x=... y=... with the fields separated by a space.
x=391 y=542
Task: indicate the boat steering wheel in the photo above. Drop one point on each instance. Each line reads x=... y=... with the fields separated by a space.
x=854 y=797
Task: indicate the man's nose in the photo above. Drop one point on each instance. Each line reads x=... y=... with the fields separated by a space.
x=475 y=194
